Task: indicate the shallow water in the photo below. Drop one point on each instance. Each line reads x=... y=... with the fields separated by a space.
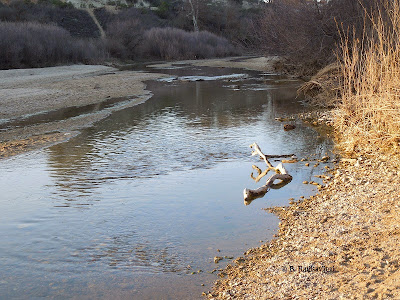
x=136 y=203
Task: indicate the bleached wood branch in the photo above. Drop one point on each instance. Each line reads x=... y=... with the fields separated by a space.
x=281 y=174
x=258 y=151
x=260 y=173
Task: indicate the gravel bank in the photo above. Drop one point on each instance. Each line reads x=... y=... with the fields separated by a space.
x=340 y=244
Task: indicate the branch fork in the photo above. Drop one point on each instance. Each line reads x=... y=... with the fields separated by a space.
x=281 y=174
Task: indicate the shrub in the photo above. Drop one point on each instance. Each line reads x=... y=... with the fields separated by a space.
x=123 y=38
x=306 y=32
x=171 y=43
x=76 y=21
x=39 y=45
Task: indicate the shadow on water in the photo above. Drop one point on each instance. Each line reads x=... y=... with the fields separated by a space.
x=137 y=202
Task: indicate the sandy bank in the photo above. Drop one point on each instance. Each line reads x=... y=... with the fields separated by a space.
x=30 y=91
x=263 y=64
x=340 y=244
x=26 y=92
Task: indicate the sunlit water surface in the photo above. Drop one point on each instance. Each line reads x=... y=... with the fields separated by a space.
x=133 y=205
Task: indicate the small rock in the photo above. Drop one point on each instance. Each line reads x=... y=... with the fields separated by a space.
x=288 y=127
x=217 y=259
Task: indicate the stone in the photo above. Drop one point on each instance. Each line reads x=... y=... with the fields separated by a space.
x=217 y=259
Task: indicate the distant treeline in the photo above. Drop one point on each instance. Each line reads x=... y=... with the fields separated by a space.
x=51 y=32
x=306 y=32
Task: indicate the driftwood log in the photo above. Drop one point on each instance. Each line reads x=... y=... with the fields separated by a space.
x=281 y=174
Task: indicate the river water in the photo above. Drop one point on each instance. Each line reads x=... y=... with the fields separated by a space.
x=135 y=204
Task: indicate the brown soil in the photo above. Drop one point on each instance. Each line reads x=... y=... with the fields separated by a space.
x=340 y=244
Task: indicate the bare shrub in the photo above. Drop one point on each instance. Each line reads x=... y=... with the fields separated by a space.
x=38 y=45
x=124 y=37
x=369 y=116
x=76 y=21
x=306 y=32
x=171 y=43
x=125 y=31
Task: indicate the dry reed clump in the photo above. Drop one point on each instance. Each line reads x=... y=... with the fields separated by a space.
x=322 y=90
x=368 y=119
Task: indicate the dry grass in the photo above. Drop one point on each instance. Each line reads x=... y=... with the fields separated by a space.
x=323 y=88
x=368 y=119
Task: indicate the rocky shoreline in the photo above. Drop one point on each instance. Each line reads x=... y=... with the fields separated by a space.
x=342 y=243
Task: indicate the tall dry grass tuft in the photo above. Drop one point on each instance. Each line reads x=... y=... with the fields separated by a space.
x=368 y=118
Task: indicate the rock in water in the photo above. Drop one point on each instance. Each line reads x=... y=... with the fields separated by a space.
x=289 y=127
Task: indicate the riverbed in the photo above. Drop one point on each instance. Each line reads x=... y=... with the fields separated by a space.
x=138 y=204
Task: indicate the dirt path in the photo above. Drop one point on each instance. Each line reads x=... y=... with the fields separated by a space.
x=94 y=18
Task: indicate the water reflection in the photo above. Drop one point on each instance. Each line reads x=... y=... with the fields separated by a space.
x=193 y=125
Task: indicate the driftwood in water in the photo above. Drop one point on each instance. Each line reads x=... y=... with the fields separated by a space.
x=281 y=174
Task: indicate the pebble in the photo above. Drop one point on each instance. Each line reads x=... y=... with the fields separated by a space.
x=217 y=259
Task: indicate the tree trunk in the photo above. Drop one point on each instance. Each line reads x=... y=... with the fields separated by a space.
x=194 y=17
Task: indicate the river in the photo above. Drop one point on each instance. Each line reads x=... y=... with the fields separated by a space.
x=134 y=205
